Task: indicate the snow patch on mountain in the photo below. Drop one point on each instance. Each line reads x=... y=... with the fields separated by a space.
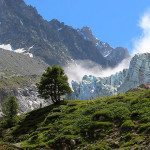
x=6 y=47
x=20 y=50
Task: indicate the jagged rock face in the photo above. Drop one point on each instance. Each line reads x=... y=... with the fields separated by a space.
x=27 y=98
x=55 y=43
x=92 y=87
x=115 y=56
x=137 y=74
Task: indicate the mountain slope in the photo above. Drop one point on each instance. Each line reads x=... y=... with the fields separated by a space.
x=18 y=75
x=19 y=64
x=56 y=43
x=117 y=122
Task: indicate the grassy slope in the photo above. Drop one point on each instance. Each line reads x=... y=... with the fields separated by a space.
x=116 y=122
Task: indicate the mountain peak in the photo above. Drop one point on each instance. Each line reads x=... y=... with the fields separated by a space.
x=87 y=29
x=56 y=24
x=87 y=33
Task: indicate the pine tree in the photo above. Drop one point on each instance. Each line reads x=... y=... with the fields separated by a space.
x=54 y=84
x=10 y=110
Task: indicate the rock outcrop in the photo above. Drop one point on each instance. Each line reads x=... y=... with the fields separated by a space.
x=91 y=87
x=28 y=99
x=26 y=94
x=137 y=74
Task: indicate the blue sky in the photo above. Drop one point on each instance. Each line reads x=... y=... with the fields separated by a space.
x=112 y=21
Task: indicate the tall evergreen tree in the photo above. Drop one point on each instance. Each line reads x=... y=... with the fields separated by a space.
x=53 y=84
x=10 y=110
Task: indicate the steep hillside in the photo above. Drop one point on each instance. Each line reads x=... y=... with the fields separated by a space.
x=54 y=42
x=24 y=88
x=18 y=64
x=18 y=75
x=117 y=122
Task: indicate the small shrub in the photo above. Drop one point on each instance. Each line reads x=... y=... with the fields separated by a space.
x=103 y=115
x=90 y=110
x=128 y=125
x=96 y=129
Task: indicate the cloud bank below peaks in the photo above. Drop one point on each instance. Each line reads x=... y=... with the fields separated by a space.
x=77 y=69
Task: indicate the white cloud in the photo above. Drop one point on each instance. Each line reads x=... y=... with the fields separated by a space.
x=77 y=69
x=142 y=44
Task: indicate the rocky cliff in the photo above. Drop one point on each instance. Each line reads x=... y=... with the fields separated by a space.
x=91 y=87
x=137 y=74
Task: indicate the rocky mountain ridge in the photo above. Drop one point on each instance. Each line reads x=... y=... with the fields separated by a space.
x=137 y=74
x=105 y=49
x=52 y=41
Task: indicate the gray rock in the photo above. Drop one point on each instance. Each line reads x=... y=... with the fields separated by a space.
x=92 y=87
x=137 y=74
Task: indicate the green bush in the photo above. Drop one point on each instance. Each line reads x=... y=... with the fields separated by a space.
x=69 y=141
x=103 y=115
x=128 y=125
x=119 y=111
x=57 y=109
x=95 y=129
x=90 y=110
